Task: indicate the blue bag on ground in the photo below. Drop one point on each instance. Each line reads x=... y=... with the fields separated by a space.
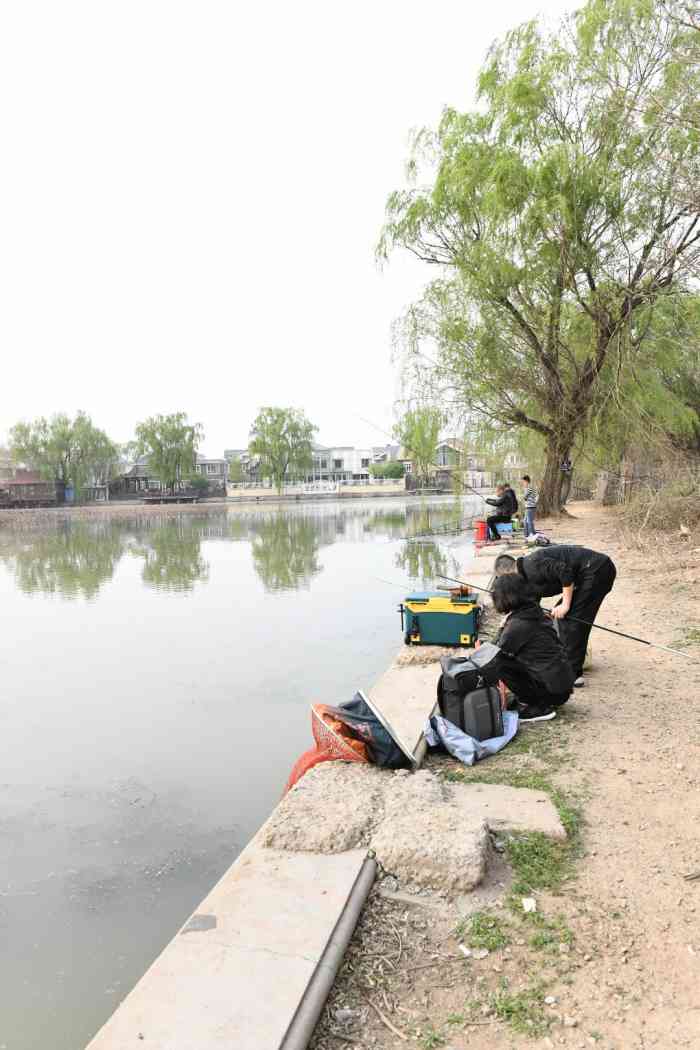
x=442 y=734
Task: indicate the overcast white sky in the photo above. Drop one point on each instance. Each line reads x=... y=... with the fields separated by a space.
x=190 y=197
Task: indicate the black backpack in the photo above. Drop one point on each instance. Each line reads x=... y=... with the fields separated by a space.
x=513 y=500
x=464 y=697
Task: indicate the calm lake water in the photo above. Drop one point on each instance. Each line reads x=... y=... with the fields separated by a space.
x=156 y=680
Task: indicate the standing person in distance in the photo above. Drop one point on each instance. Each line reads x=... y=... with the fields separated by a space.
x=505 y=505
x=581 y=576
x=530 y=500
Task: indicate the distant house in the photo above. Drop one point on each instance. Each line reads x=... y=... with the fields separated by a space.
x=27 y=488
x=386 y=453
x=215 y=471
x=514 y=466
x=341 y=463
x=137 y=477
x=452 y=457
x=332 y=463
x=233 y=454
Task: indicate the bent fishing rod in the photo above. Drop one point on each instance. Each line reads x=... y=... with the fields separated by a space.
x=576 y=619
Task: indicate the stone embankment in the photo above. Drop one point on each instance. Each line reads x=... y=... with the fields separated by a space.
x=271 y=921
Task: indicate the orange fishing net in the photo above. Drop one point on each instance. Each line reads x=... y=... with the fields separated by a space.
x=334 y=741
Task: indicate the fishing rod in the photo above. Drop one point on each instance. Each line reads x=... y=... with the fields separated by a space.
x=472 y=489
x=598 y=626
x=449 y=529
x=392 y=583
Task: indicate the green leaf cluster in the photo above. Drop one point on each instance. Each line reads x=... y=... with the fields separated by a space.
x=170 y=443
x=554 y=217
x=282 y=441
x=387 y=470
x=418 y=430
x=70 y=451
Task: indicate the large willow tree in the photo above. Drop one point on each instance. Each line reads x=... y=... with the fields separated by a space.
x=552 y=216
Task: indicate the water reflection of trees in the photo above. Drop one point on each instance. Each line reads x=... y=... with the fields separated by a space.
x=285 y=551
x=77 y=559
x=74 y=561
x=172 y=555
x=425 y=561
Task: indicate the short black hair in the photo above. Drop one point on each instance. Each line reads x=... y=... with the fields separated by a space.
x=526 y=477
x=511 y=592
x=504 y=563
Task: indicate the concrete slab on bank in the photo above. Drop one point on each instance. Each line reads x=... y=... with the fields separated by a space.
x=406 y=696
x=236 y=972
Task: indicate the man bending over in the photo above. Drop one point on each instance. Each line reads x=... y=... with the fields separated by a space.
x=582 y=577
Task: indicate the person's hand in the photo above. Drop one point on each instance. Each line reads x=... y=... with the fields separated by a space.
x=560 y=611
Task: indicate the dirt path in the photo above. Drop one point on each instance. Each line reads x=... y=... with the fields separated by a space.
x=611 y=958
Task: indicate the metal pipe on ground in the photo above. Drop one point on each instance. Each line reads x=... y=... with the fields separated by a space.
x=309 y=1010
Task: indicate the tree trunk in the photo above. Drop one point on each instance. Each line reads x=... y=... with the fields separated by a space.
x=551 y=492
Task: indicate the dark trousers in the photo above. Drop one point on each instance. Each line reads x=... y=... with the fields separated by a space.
x=522 y=684
x=589 y=593
x=496 y=519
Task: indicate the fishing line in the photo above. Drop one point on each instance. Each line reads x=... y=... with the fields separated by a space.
x=391 y=583
x=610 y=630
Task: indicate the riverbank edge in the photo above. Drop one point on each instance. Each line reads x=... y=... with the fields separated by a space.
x=251 y=939
x=27 y=518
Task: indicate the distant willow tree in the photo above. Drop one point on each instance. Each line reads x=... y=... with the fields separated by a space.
x=419 y=431
x=551 y=218
x=70 y=451
x=170 y=443
x=282 y=441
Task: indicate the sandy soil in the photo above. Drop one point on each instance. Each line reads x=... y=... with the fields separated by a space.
x=618 y=962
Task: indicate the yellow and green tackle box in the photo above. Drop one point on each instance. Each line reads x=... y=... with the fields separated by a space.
x=436 y=618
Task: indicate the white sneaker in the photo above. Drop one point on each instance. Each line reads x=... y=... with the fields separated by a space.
x=579 y=682
x=526 y=713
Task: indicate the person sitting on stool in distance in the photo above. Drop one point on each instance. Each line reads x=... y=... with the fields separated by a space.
x=532 y=661
x=581 y=576
x=504 y=510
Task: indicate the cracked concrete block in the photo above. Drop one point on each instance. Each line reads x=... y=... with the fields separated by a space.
x=333 y=808
x=432 y=835
x=424 y=840
x=433 y=851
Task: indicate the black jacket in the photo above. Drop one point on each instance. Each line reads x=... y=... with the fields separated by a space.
x=549 y=569
x=530 y=638
x=505 y=504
